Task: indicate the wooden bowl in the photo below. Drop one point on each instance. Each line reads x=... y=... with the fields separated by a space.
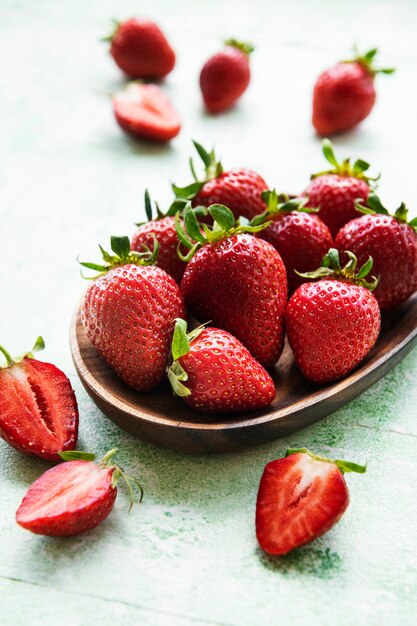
x=159 y=417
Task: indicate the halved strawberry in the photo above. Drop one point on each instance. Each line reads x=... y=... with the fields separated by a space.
x=38 y=408
x=73 y=497
x=300 y=497
x=146 y=112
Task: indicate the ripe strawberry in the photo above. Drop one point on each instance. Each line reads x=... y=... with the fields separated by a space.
x=220 y=375
x=144 y=111
x=129 y=311
x=300 y=498
x=226 y=76
x=344 y=95
x=235 y=280
x=239 y=189
x=73 y=497
x=392 y=242
x=335 y=191
x=332 y=324
x=38 y=408
x=301 y=239
x=140 y=49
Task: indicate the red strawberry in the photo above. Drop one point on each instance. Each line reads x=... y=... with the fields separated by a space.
x=38 y=408
x=140 y=49
x=335 y=191
x=300 y=498
x=392 y=243
x=332 y=324
x=72 y=497
x=129 y=312
x=239 y=189
x=213 y=372
x=344 y=95
x=144 y=111
x=226 y=76
x=237 y=281
x=301 y=238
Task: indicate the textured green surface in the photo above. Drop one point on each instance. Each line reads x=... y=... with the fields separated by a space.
x=68 y=180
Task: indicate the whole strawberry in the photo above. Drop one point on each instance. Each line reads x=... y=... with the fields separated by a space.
x=145 y=112
x=226 y=76
x=300 y=497
x=300 y=237
x=140 y=49
x=213 y=372
x=335 y=191
x=73 y=497
x=239 y=189
x=332 y=324
x=128 y=313
x=235 y=280
x=162 y=228
x=344 y=95
x=392 y=242
x=38 y=408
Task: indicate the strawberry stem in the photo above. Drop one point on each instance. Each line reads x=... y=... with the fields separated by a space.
x=38 y=346
x=279 y=204
x=123 y=255
x=243 y=46
x=374 y=206
x=345 y=168
x=180 y=347
x=344 y=466
x=212 y=169
x=330 y=267
x=367 y=59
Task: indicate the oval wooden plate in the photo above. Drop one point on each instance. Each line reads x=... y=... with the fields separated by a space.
x=159 y=417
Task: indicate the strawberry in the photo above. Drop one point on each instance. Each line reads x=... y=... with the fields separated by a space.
x=239 y=189
x=344 y=95
x=226 y=76
x=235 y=280
x=38 y=408
x=221 y=376
x=140 y=49
x=335 y=191
x=300 y=497
x=145 y=112
x=73 y=497
x=128 y=313
x=332 y=324
x=392 y=242
x=301 y=239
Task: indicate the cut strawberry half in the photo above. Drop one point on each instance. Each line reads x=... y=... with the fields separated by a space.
x=300 y=498
x=146 y=112
x=38 y=408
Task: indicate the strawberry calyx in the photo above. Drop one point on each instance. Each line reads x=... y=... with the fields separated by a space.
x=344 y=466
x=149 y=210
x=243 y=46
x=123 y=255
x=106 y=463
x=375 y=207
x=366 y=60
x=193 y=234
x=212 y=168
x=39 y=345
x=330 y=267
x=278 y=204
x=180 y=347
x=110 y=37
x=345 y=168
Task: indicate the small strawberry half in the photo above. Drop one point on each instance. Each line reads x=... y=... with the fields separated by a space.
x=145 y=112
x=38 y=408
x=226 y=76
x=213 y=372
x=240 y=189
x=300 y=498
x=332 y=324
x=73 y=497
x=140 y=49
x=300 y=237
x=344 y=95
x=391 y=240
x=335 y=191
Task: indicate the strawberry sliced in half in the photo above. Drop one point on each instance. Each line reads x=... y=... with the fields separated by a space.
x=146 y=112
x=300 y=497
x=38 y=408
x=72 y=497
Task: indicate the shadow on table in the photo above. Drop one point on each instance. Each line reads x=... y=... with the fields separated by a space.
x=320 y=562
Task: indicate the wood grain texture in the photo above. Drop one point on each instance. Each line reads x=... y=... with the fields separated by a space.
x=159 y=417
